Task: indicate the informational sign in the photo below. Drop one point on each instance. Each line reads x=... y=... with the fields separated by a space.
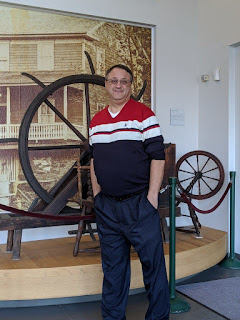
x=177 y=117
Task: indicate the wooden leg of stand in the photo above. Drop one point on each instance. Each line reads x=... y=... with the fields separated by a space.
x=197 y=221
x=90 y=230
x=194 y=220
x=17 y=239
x=9 y=245
x=81 y=227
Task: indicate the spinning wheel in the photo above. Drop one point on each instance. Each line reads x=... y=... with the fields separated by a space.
x=56 y=199
x=200 y=174
x=56 y=121
x=42 y=97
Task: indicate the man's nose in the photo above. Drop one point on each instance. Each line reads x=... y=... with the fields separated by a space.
x=119 y=84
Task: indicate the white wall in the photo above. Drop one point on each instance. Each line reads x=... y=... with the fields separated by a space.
x=234 y=136
x=175 y=48
x=192 y=38
x=218 y=28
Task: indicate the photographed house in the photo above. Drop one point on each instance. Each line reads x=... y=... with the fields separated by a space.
x=48 y=58
x=30 y=60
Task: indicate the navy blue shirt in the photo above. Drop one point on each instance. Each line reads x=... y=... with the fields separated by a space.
x=123 y=147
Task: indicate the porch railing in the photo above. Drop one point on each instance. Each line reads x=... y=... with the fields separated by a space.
x=40 y=131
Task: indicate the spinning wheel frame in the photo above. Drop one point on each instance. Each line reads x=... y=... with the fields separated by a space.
x=23 y=148
x=196 y=176
x=28 y=117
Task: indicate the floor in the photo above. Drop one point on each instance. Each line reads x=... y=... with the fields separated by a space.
x=137 y=304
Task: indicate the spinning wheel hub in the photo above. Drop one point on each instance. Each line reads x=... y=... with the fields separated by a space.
x=199 y=175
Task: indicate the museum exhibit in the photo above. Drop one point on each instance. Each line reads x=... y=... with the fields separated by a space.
x=54 y=56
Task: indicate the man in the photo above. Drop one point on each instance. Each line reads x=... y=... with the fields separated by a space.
x=127 y=169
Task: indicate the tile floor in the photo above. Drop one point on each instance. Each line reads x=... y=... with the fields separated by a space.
x=137 y=305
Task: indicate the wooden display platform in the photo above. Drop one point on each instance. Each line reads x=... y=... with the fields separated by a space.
x=47 y=268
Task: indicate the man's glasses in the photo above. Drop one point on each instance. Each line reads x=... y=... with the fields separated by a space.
x=115 y=81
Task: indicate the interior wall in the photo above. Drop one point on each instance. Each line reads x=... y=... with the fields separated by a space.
x=191 y=38
x=235 y=137
x=175 y=64
x=218 y=28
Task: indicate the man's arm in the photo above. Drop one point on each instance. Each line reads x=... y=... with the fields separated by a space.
x=156 y=177
x=95 y=186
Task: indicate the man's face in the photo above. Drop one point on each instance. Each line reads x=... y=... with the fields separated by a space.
x=119 y=92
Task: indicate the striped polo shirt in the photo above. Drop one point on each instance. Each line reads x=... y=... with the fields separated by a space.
x=123 y=147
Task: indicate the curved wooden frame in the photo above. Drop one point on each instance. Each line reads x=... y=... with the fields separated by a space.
x=198 y=174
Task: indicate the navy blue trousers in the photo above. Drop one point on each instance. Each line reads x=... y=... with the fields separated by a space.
x=121 y=224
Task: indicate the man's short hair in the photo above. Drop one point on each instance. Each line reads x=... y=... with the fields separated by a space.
x=120 y=66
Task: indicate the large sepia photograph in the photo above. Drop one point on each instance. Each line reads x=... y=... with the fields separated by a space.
x=52 y=69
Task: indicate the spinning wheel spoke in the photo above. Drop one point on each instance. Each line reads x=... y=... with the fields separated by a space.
x=186 y=171
x=55 y=110
x=217 y=168
x=206 y=163
x=207 y=177
x=199 y=186
x=61 y=116
x=186 y=179
x=190 y=165
x=207 y=184
x=215 y=179
x=197 y=163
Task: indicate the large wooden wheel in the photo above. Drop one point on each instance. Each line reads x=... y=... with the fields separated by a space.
x=42 y=97
x=200 y=174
